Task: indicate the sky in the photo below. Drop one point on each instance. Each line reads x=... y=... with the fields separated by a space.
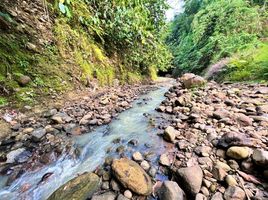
x=176 y=7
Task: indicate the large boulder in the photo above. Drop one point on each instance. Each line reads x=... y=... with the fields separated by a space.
x=190 y=178
x=171 y=191
x=79 y=188
x=132 y=176
x=191 y=80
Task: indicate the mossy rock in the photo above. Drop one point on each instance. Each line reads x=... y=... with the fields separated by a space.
x=79 y=188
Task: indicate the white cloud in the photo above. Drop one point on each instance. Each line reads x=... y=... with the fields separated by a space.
x=176 y=7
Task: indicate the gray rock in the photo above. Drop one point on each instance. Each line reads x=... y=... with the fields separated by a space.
x=191 y=181
x=260 y=157
x=13 y=155
x=121 y=197
x=200 y=196
x=38 y=134
x=171 y=191
x=105 y=196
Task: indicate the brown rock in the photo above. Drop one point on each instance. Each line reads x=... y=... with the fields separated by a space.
x=132 y=176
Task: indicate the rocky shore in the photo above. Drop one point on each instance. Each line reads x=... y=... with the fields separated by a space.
x=36 y=140
x=216 y=139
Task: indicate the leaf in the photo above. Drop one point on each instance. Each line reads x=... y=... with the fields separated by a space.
x=68 y=12
x=62 y=8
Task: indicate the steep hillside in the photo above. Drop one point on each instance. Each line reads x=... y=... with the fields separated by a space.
x=47 y=47
x=208 y=32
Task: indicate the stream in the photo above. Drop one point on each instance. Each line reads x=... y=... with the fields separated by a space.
x=93 y=146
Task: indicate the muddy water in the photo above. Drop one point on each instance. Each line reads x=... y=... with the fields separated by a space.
x=131 y=124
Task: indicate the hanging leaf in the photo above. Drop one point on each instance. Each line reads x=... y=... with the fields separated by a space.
x=62 y=8
x=68 y=12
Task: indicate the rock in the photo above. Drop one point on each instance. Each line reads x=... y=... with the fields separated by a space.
x=219 y=173
x=170 y=134
x=121 y=197
x=164 y=160
x=24 y=80
x=260 y=157
x=223 y=165
x=204 y=191
x=13 y=155
x=104 y=196
x=132 y=176
x=137 y=156
x=200 y=196
x=105 y=185
x=221 y=114
x=115 y=186
x=230 y=180
x=171 y=191
x=79 y=188
x=38 y=134
x=191 y=181
x=238 y=153
x=128 y=194
x=234 y=193
x=145 y=165
x=217 y=196
x=191 y=80
x=243 y=119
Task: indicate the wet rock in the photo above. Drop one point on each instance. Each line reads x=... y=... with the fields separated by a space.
x=128 y=194
x=234 y=193
x=24 y=80
x=164 y=160
x=260 y=157
x=38 y=134
x=171 y=191
x=132 y=176
x=105 y=196
x=238 y=153
x=137 y=157
x=145 y=165
x=79 y=188
x=121 y=197
x=170 y=134
x=191 y=181
x=13 y=155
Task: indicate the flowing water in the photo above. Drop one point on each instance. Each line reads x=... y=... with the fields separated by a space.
x=131 y=124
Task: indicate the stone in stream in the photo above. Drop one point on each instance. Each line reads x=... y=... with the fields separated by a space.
x=104 y=196
x=132 y=176
x=170 y=134
x=13 y=155
x=137 y=156
x=79 y=188
x=238 y=153
x=171 y=191
x=190 y=178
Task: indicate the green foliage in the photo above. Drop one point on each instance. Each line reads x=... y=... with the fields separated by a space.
x=3 y=101
x=210 y=30
x=251 y=64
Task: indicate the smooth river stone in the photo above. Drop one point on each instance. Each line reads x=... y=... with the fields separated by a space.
x=79 y=188
x=132 y=176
